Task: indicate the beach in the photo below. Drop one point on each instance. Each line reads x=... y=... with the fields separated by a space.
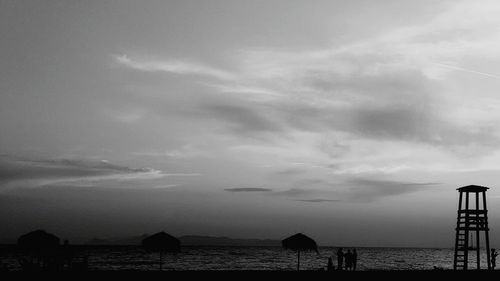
x=235 y=258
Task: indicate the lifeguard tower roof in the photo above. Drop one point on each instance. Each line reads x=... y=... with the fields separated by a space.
x=472 y=188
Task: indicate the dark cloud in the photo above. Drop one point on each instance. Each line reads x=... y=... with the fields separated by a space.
x=413 y=120
x=398 y=121
x=243 y=119
x=386 y=120
x=103 y=165
x=369 y=189
x=397 y=105
x=404 y=87
x=16 y=169
x=393 y=105
x=248 y=189
x=391 y=123
x=354 y=190
x=411 y=123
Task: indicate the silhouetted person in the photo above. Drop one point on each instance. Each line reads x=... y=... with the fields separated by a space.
x=354 y=259
x=330 y=265
x=348 y=260
x=67 y=255
x=494 y=255
x=340 y=259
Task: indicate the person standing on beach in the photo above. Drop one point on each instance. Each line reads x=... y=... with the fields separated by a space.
x=354 y=259
x=67 y=254
x=348 y=260
x=330 y=265
x=494 y=255
x=340 y=259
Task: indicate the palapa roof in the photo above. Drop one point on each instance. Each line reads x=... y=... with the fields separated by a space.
x=472 y=188
x=161 y=242
x=299 y=242
x=38 y=239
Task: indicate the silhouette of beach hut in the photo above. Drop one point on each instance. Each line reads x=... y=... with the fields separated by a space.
x=38 y=241
x=163 y=243
x=39 y=244
x=299 y=243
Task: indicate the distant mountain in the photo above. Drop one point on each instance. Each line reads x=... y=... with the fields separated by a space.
x=133 y=240
x=189 y=240
x=195 y=240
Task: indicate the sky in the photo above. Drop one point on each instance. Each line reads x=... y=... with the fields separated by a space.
x=351 y=121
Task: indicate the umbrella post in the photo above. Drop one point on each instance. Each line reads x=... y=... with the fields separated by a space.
x=298 y=260
x=161 y=260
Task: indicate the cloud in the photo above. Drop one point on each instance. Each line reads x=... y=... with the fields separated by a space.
x=382 y=87
x=369 y=189
x=385 y=104
x=248 y=189
x=241 y=119
x=40 y=172
x=469 y=70
x=354 y=189
x=371 y=96
x=174 y=66
x=386 y=87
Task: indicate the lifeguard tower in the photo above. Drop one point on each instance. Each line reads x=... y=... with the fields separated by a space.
x=471 y=220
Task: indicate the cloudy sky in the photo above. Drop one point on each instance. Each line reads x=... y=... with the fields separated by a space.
x=351 y=121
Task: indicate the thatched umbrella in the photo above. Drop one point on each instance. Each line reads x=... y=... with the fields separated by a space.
x=299 y=242
x=163 y=243
x=39 y=242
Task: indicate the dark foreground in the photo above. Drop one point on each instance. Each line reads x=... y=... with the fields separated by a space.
x=257 y=273
x=253 y=275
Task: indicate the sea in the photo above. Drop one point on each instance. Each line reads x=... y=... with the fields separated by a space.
x=251 y=258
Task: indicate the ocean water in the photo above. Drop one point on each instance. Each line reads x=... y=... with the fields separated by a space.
x=251 y=258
